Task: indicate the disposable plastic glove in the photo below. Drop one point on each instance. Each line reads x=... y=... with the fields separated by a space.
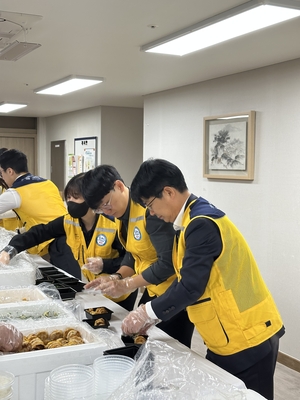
x=94 y=264
x=4 y=257
x=7 y=253
x=96 y=283
x=138 y=321
x=116 y=288
x=10 y=338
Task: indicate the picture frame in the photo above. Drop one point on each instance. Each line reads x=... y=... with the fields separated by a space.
x=228 y=146
x=86 y=148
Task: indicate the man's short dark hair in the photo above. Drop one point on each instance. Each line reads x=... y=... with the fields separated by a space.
x=151 y=178
x=15 y=160
x=97 y=183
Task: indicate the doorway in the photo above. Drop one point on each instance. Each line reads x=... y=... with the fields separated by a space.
x=57 y=175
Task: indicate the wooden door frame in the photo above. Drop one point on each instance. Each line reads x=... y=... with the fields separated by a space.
x=29 y=133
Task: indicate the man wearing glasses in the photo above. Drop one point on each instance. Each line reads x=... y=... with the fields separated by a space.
x=147 y=239
x=218 y=281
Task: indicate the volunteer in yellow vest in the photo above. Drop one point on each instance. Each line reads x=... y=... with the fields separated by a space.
x=148 y=242
x=218 y=280
x=8 y=220
x=36 y=200
x=92 y=239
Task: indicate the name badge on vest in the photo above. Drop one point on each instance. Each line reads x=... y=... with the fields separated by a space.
x=101 y=240
x=137 y=233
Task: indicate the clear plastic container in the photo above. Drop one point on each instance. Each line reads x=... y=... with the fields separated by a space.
x=71 y=382
x=6 y=384
x=111 y=371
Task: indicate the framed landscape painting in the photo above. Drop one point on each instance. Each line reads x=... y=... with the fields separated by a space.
x=228 y=148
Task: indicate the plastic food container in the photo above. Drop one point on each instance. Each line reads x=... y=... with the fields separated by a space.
x=93 y=323
x=130 y=350
x=6 y=383
x=97 y=312
x=21 y=294
x=137 y=339
x=29 y=313
x=31 y=368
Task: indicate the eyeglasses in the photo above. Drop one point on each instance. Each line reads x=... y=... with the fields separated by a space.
x=149 y=205
x=104 y=206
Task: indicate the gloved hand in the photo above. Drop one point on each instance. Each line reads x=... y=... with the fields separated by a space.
x=96 y=283
x=138 y=321
x=4 y=257
x=10 y=338
x=117 y=287
x=94 y=264
x=7 y=253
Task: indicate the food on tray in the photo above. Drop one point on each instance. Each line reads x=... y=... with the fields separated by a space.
x=56 y=334
x=139 y=339
x=57 y=338
x=99 y=322
x=28 y=314
x=99 y=310
x=37 y=344
x=43 y=335
x=72 y=333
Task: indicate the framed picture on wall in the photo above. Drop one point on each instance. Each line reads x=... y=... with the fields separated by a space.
x=228 y=148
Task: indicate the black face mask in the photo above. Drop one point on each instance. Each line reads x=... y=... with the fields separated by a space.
x=77 y=210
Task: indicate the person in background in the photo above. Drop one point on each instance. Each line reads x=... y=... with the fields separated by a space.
x=10 y=338
x=9 y=220
x=148 y=242
x=36 y=200
x=92 y=239
x=218 y=280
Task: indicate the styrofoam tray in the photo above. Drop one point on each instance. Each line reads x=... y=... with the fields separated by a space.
x=29 y=314
x=21 y=294
x=31 y=368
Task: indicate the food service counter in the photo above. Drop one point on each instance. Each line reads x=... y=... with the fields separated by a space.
x=31 y=369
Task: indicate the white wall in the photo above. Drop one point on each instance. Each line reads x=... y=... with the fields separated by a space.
x=83 y=123
x=267 y=210
x=122 y=139
x=119 y=131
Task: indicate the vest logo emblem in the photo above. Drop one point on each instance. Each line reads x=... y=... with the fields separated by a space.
x=101 y=240
x=137 y=233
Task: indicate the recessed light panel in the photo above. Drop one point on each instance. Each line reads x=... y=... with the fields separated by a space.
x=68 y=85
x=217 y=29
x=8 y=107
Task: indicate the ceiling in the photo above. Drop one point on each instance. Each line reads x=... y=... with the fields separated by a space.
x=103 y=38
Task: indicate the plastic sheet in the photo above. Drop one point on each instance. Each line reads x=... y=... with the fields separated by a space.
x=162 y=372
x=49 y=290
x=26 y=314
x=21 y=270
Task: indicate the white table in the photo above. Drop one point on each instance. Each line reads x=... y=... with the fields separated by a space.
x=96 y=299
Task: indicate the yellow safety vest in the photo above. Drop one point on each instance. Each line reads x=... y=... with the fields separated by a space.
x=100 y=245
x=140 y=246
x=236 y=311
x=40 y=204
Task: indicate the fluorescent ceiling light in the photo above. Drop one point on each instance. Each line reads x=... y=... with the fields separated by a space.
x=68 y=85
x=243 y=19
x=16 y=50
x=8 y=107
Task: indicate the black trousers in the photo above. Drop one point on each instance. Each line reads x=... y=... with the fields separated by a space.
x=178 y=327
x=260 y=376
